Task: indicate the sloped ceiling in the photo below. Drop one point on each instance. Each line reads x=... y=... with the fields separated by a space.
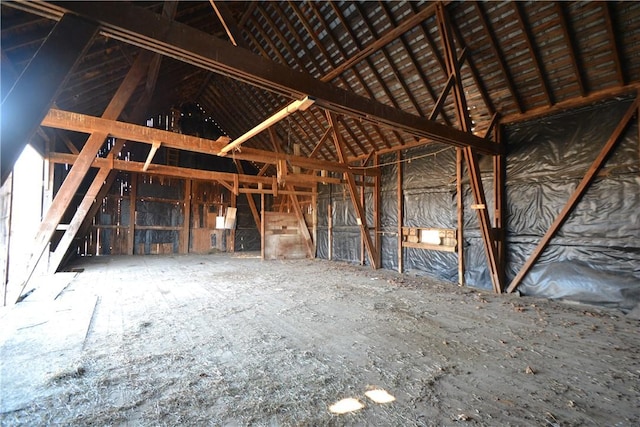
x=520 y=59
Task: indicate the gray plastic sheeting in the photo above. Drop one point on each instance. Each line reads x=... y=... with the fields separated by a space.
x=595 y=256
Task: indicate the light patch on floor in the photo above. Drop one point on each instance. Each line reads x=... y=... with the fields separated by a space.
x=345 y=406
x=380 y=396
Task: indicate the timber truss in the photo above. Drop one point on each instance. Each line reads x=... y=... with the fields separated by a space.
x=296 y=176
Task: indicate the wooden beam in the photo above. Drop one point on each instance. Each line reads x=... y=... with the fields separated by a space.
x=377 y=212
x=614 y=46
x=78 y=217
x=133 y=202
x=82 y=164
x=577 y=194
x=499 y=208
x=186 y=215
x=353 y=193
x=437 y=108
x=460 y=209
x=87 y=124
x=152 y=153
x=179 y=172
x=22 y=112
x=302 y=223
x=229 y=24
x=321 y=143
x=400 y=203
x=533 y=51
x=407 y=24
x=571 y=46
x=252 y=203
x=146 y=29
x=6 y=212
x=473 y=167
x=569 y=104
x=499 y=57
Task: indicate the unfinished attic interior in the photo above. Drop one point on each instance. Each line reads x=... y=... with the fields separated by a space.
x=320 y=213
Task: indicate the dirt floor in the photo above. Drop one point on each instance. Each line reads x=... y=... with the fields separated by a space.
x=231 y=340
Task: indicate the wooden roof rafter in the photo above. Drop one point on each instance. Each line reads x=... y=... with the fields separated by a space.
x=324 y=149
x=396 y=74
x=423 y=78
x=533 y=51
x=298 y=39
x=571 y=46
x=498 y=55
x=282 y=39
x=613 y=42
x=354 y=138
x=477 y=78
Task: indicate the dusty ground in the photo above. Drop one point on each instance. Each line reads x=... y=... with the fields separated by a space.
x=223 y=340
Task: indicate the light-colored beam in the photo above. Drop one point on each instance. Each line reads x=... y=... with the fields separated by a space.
x=299 y=105
x=146 y=29
x=88 y=124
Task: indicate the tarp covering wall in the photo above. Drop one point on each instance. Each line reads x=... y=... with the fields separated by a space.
x=595 y=257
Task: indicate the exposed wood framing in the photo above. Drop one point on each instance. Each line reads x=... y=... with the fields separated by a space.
x=21 y=110
x=571 y=46
x=377 y=212
x=261 y=183
x=82 y=164
x=250 y=201
x=499 y=208
x=133 y=202
x=78 y=217
x=533 y=50
x=353 y=193
x=183 y=247
x=229 y=24
x=295 y=203
x=151 y=31
x=614 y=45
x=231 y=242
x=400 y=203
x=473 y=168
x=385 y=39
x=460 y=208
x=482 y=88
x=593 y=97
x=577 y=194
x=497 y=52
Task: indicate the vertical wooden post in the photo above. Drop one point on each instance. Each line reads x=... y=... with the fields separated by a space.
x=330 y=231
x=231 y=243
x=314 y=219
x=400 y=200
x=499 y=172
x=133 y=199
x=460 y=200
x=364 y=210
x=262 y=225
x=376 y=212
x=186 y=222
x=353 y=191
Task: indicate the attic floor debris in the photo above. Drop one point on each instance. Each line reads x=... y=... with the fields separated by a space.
x=233 y=340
